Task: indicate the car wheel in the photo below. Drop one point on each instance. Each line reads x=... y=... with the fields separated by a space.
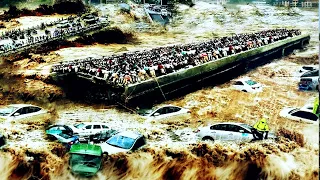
x=244 y=90
x=207 y=138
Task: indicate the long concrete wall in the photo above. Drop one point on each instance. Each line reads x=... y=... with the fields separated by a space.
x=161 y=85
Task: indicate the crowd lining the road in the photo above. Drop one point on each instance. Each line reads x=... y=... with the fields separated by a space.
x=29 y=37
x=132 y=67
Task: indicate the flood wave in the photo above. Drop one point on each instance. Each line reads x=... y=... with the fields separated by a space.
x=260 y=160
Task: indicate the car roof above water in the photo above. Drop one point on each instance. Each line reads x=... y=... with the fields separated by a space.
x=21 y=105
x=233 y=123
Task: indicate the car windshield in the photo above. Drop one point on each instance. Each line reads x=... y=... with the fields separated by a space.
x=79 y=126
x=85 y=159
x=7 y=110
x=246 y=126
x=121 y=141
x=250 y=82
x=292 y=111
x=145 y=112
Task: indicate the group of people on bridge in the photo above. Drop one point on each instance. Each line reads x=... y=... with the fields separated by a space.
x=133 y=67
x=12 y=40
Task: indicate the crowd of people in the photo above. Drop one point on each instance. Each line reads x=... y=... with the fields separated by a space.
x=15 y=39
x=133 y=67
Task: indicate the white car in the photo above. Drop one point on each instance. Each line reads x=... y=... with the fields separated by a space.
x=307 y=107
x=123 y=142
x=86 y=129
x=300 y=115
x=247 y=85
x=21 y=111
x=228 y=131
x=308 y=68
x=166 y=112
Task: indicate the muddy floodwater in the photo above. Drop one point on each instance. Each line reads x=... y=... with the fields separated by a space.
x=172 y=152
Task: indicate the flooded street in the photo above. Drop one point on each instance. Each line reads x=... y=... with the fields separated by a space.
x=173 y=152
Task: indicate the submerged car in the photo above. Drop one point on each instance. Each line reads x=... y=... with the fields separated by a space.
x=300 y=115
x=65 y=139
x=123 y=142
x=21 y=111
x=65 y=129
x=306 y=84
x=228 y=131
x=165 y=112
x=87 y=129
x=103 y=136
x=85 y=159
x=308 y=68
x=309 y=81
x=247 y=85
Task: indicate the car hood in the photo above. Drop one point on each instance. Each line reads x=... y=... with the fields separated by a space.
x=285 y=111
x=112 y=149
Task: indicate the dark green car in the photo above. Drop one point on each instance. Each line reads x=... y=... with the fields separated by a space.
x=85 y=159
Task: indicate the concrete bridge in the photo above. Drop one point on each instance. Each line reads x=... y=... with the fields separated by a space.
x=27 y=47
x=176 y=84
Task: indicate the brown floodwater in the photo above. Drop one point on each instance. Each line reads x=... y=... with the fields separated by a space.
x=30 y=156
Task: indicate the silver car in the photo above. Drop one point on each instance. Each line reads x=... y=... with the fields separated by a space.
x=123 y=142
x=165 y=112
x=228 y=131
x=21 y=111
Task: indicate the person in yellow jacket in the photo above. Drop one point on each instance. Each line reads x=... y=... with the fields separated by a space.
x=315 y=109
x=260 y=128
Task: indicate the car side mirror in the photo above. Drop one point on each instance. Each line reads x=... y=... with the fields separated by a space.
x=242 y=131
x=156 y=114
x=16 y=114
